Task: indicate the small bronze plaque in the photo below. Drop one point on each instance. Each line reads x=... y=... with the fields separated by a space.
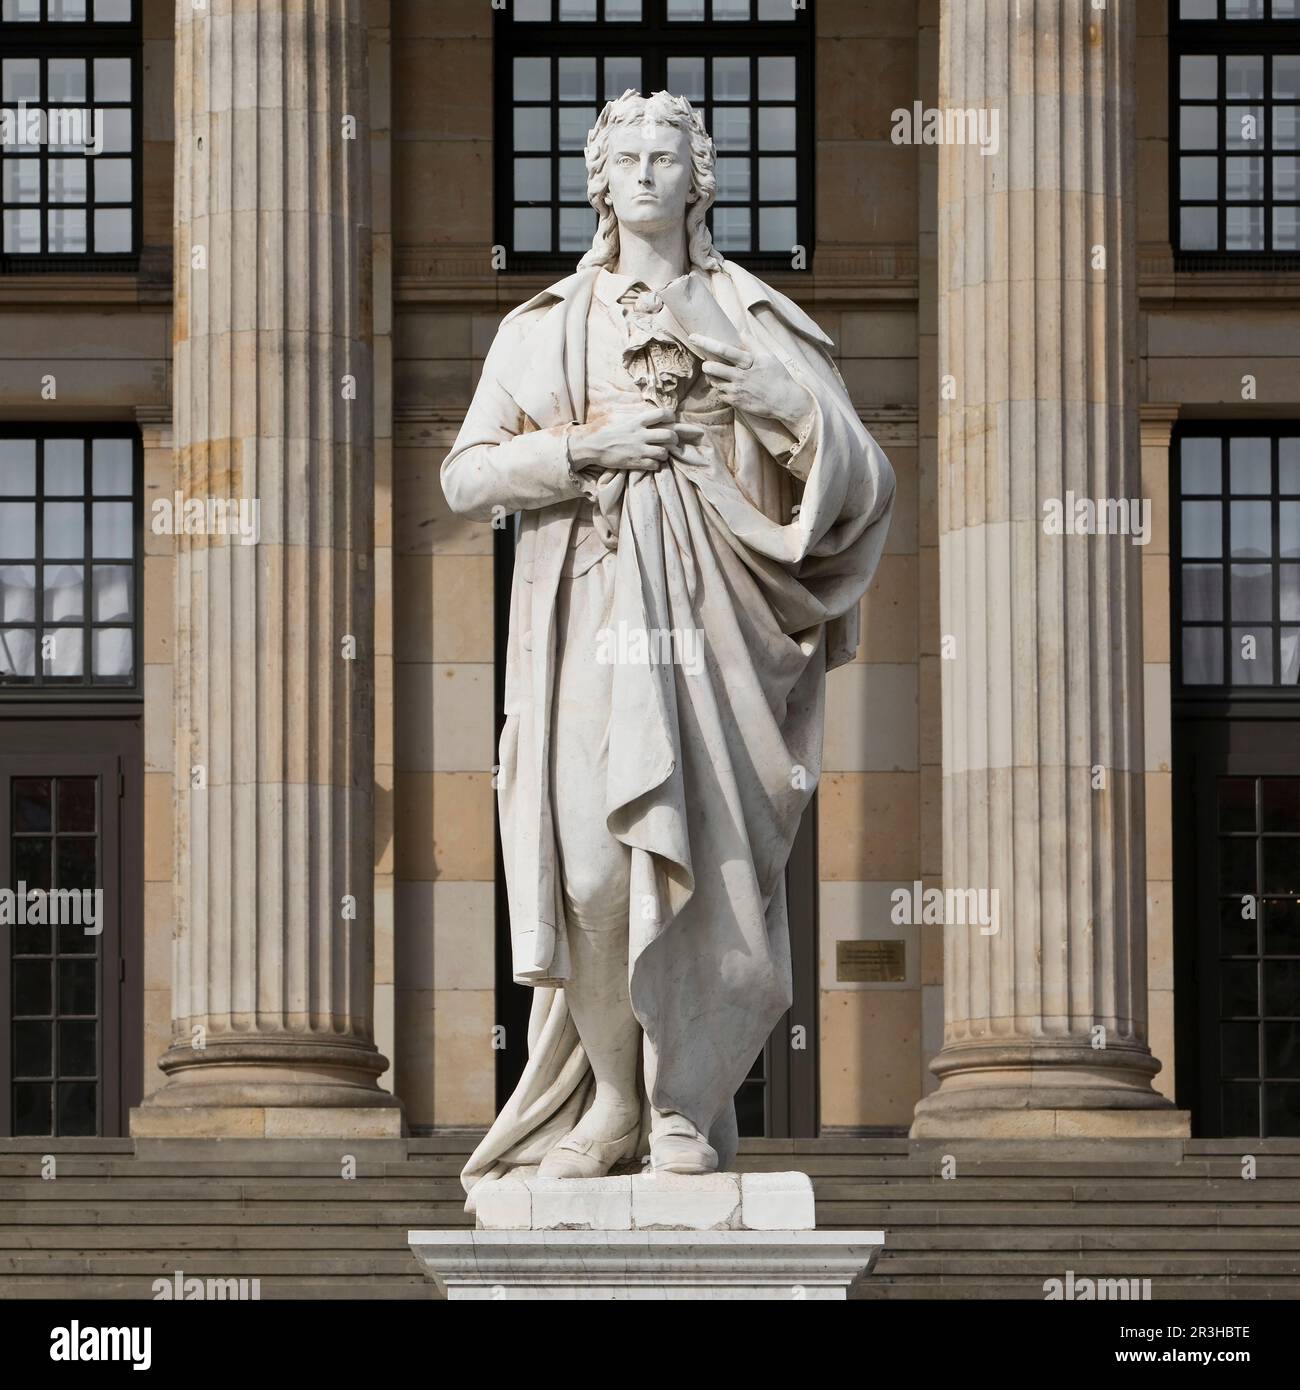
x=874 y=962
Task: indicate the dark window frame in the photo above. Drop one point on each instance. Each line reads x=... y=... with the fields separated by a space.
x=89 y=40
x=42 y=688
x=1222 y=38
x=654 y=39
x=1227 y=695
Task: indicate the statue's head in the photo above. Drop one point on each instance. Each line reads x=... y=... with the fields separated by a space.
x=650 y=164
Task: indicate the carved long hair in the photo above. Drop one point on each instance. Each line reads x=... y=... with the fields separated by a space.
x=631 y=109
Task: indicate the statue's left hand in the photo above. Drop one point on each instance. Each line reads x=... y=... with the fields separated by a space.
x=754 y=381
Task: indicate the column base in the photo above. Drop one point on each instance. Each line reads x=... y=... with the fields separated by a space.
x=271 y=1087
x=1047 y=1089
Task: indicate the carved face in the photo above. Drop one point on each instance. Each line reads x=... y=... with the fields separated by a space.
x=649 y=175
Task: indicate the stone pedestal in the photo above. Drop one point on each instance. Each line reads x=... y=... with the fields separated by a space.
x=728 y=1236
x=1045 y=1008
x=273 y=981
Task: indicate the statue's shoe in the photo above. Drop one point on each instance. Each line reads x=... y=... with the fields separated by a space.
x=676 y=1146
x=588 y=1158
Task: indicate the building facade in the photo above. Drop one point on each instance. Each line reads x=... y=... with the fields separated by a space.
x=1058 y=249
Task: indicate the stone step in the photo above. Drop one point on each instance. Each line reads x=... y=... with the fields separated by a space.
x=229 y=1264
x=349 y=1287
x=425 y=1215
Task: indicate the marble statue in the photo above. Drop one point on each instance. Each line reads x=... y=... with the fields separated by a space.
x=701 y=512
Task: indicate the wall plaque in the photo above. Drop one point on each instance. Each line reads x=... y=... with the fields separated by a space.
x=871 y=962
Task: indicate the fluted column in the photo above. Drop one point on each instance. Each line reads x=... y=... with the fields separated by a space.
x=1045 y=1005
x=274 y=679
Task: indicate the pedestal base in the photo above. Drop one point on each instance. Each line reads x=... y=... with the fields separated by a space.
x=955 y=1123
x=266 y=1122
x=665 y=1237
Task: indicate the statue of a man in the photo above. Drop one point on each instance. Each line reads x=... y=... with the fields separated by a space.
x=701 y=512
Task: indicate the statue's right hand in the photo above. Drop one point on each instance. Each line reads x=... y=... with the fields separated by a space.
x=635 y=440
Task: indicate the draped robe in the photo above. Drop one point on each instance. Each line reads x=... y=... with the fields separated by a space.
x=764 y=548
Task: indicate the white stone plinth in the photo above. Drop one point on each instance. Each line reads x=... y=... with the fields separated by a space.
x=726 y=1236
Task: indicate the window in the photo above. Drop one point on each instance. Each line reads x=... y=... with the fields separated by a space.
x=745 y=64
x=69 y=559
x=69 y=152
x=1236 y=526
x=1235 y=132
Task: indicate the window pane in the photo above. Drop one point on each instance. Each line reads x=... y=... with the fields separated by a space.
x=18 y=530
x=113 y=230
x=1244 y=178
x=1252 y=592
x=776 y=180
x=777 y=230
x=577 y=227
x=578 y=11
x=1202 y=656
x=65 y=468
x=1250 y=466
x=731 y=79
x=64 y=593
x=1286 y=75
x=22 y=181
x=532 y=79
x=1289 y=593
x=731 y=229
x=1199 y=178
x=112 y=653
x=1288 y=459
x=532 y=229
x=65 y=80
x=22 y=232
x=776 y=128
x=685 y=9
x=1199 y=229
x=72 y=11
x=21 y=9
x=17 y=653
x=577 y=79
x=1252 y=656
x=532 y=128
x=1286 y=126
x=1286 y=177
x=1198 y=9
x=20 y=80
x=1244 y=9
x=532 y=180
x=112 y=79
x=623 y=11
x=530 y=11
x=64 y=530
x=18 y=593
x=733 y=180
x=1252 y=529
x=1198 y=76
x=117 y=129
x=620 y=75
x=1245 y=229
x=731 y=9
x=113 y=585
x=112 y=180
x=1243 y=127
x=1198 y=128
x=776 y=79
x=686 y=78
x=573 y=180
x=731 y=128
x=1289 y=652
x=1203 y=592
x=62 y=654
x=67 y=181
x=67 y=229
x=575 y=125
x=17 y=468
x=775 y=9
x=112 y=529
x=1289 y=529
x=1286 y=229
x=1244 y=75
x=1202 y=529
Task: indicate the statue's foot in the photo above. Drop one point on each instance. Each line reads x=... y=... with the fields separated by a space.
x=578 y=1156
x=676 y=1146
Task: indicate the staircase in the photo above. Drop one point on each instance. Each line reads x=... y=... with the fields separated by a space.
x=121 y=1213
